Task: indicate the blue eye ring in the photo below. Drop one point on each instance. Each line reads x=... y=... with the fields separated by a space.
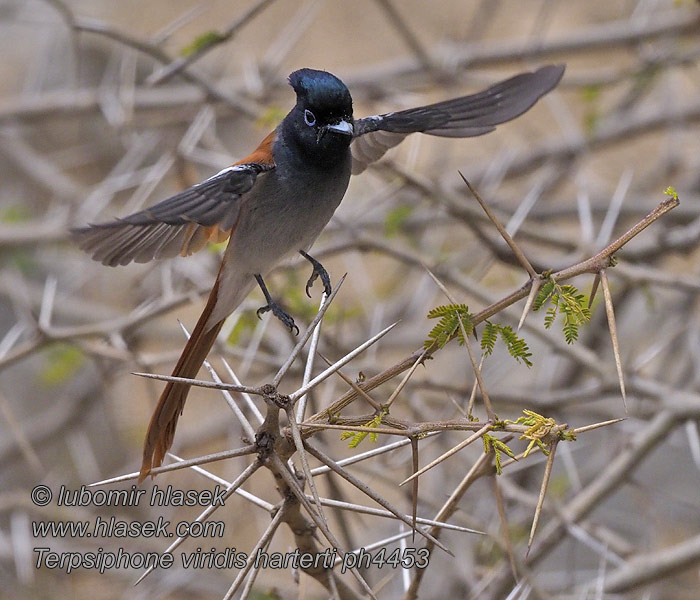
x=309 y=118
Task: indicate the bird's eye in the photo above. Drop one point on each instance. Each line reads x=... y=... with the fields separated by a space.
x=309 y=118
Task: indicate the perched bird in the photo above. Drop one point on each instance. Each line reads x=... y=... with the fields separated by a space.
x=276 y=201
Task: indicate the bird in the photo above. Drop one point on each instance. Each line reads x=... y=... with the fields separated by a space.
x=276 y=201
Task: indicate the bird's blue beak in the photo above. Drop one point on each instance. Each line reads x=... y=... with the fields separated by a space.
x=343 y=127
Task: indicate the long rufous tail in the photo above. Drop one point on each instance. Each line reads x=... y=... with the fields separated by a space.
x=161 y=429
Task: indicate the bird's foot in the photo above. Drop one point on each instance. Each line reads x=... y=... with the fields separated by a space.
x=280 y=313
x=276 y=309
x=319 y=271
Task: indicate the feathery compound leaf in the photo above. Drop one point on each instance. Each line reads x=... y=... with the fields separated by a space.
x=448 y=309
x=567 y=300
x=359 y=436
x=517 y=347
x=544 y=294
x=209 y=38
x=489 y=335
x=570 y=331
x=449 y=324
x=498 y=447
x=575 y=303
x=503 y=447
x=550 y=316
x=539 y=427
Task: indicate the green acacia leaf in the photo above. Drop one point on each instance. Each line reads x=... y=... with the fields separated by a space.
x=202 y=41
x=395 y=219
x=63 y=361
x=449 y=325
x=489 y=335
x=543 y=295
x=567 y=300
x=669 y=191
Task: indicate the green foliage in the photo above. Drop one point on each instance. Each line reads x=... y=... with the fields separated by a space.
x=489 y=337
x=543 y=295
x=517 y=347
x=357 y=437
x=14 y=213
x=303 y=308
x=538 y=428
x=395 y=219
x=63 y=361
x=216 y=247
x=18 y=257
x=567 y=301
x=591 y=115
x=567 y=436
x=591 y=118
x=270 y=118
x=559 y=486
x=202 y=41
x=296 y=302
x=590 y=93
x=498 y=447
x=669 y=191
x=247 y=322
x=448 y=326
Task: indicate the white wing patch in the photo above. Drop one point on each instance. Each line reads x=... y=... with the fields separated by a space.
x=371 y=147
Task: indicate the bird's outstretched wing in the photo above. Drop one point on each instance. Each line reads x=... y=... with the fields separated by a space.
x=467 y=116
x=182 y=224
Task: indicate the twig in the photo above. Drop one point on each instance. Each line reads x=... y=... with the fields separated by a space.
x=397 y=20
x=210 y=43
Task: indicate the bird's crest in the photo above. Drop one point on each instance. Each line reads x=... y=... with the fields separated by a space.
x=320 y=89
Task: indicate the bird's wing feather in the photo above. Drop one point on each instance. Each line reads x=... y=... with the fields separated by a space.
x=467 y=116
x=182 y=224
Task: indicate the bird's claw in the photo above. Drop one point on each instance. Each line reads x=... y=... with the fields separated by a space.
x=310 y=282
x=280 y=314
x=319 y=271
